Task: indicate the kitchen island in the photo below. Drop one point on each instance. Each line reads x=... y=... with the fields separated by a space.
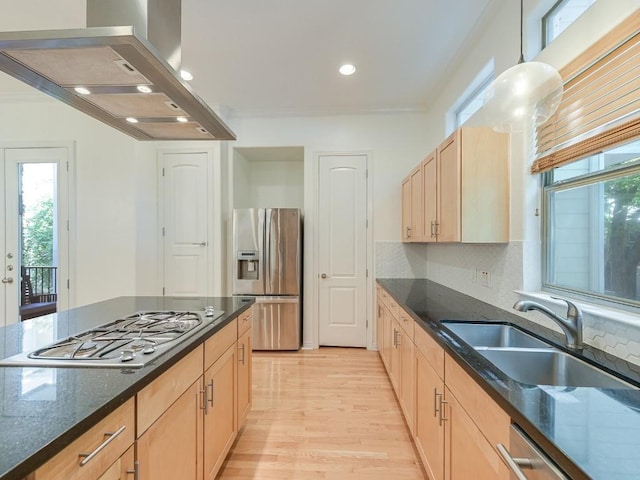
x=591 y=433
x=43 y=410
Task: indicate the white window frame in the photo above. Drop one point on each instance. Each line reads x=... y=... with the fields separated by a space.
x=597 y=261
x=475 y=89
x=547 y=18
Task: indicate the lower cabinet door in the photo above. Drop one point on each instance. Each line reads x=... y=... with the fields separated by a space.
x=469 y=455
x=172 y=446
x=220 y=420
x=122 y=469
x=429 y=428
x=244 y=377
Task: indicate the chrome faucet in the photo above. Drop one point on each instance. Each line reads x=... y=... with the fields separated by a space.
x=571 y=326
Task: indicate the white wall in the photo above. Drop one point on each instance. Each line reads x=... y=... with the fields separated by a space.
x=394 y=141
x=105 y=192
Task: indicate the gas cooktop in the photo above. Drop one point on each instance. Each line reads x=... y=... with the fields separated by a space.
x=129 y=341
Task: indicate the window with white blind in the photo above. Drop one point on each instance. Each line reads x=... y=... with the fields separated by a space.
x=589 y=154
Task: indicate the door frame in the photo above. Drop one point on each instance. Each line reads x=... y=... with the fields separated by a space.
x=66 y=203
x=369 y=284
x=216 y=269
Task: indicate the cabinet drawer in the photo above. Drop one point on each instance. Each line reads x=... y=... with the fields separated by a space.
x=487 y=415
x=215 y=346
x=158 y=396
x=406 y=323
x=433 y=352
x=394 y=308
x=244 y=321
x=115 y=434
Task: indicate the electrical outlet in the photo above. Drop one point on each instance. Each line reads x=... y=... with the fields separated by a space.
x=484 y=278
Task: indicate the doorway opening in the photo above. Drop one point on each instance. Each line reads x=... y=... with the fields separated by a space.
x=38 y=234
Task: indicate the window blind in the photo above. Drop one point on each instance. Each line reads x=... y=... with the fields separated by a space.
x=600 y=106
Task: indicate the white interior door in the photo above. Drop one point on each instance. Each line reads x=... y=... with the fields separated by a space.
x=20 y=179
x=185 y=224
x=342 y=212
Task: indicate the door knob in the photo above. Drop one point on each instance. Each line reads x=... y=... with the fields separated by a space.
x=324 y=275
x=7 y=280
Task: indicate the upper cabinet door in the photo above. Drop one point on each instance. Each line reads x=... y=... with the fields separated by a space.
x=406 y=209
x=430 y=197
x=417 y=216
x=449 y=191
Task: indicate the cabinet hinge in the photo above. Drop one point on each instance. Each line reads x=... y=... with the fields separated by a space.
x=367 y=273
x=67 y=225
x=163 y=291
x=366 y=174
x=68 y=284
x=163 y=231
x=163 y=171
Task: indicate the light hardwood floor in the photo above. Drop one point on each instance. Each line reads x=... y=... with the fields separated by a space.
x=322 y=414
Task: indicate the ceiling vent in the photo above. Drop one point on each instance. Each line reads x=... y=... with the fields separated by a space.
x=118 y=73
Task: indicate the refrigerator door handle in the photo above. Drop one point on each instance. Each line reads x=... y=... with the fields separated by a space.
x=267 y=250
x=276 y=300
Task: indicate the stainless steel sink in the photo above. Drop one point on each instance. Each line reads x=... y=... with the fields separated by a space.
x=550 y=367
x=494 y=335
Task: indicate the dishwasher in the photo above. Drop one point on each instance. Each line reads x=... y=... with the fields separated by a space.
x=526 y=461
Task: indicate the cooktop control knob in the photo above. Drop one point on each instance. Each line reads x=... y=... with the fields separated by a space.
x=127 y=355
x=209 y=311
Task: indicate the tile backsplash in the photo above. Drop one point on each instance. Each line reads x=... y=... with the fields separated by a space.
x=456 y=266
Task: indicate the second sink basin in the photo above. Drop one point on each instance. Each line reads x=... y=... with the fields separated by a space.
x=550 y=367
x=494 y=335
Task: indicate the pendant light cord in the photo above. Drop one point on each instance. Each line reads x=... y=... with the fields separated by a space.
x=521 y=29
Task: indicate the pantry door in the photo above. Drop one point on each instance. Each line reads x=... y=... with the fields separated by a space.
x=185 y=223
x=342 y=260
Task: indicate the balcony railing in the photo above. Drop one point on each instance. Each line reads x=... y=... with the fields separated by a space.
x=39 y=291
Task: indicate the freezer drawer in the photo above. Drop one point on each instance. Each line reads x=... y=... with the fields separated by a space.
x=276 y=323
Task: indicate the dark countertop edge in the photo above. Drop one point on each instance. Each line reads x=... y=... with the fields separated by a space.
x=435 y=330
x=161 y=365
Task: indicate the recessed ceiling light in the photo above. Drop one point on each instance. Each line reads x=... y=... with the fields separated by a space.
x=182 y=119
x=186 y=75
x=144 y=89
x=82 y=90
x=132 y=120
x=347 y=69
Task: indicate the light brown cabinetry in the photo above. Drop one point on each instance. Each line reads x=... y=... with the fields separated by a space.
x=455 y=424
x=384 y=329
x=429 y=432
x=105 y=451
x=245 y=377
x=170 y=422
x=220 y=420
x=412 y=216
x=465 y=189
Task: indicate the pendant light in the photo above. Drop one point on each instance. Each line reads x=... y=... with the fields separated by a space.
x=523 y=96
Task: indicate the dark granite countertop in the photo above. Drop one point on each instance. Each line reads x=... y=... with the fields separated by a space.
x=591 y=433
x=45 y=409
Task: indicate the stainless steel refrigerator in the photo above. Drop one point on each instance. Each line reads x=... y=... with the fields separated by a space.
x=267 y=260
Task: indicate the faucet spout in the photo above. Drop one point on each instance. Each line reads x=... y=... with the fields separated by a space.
x=571 y=326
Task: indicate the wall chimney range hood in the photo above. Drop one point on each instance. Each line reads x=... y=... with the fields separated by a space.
x=124 y=76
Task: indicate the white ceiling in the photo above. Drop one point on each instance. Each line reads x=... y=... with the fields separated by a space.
x=266 y=57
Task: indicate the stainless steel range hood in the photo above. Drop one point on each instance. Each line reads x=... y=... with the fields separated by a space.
x=117 y=74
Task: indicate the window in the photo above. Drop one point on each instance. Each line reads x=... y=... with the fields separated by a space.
x=592 y=226
x=561 y=15
x=473 y=97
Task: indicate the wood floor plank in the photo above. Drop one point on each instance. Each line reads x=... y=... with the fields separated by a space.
x=327 y=414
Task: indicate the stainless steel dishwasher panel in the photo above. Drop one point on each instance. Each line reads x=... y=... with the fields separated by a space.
x=526 y=461
x=277 y=323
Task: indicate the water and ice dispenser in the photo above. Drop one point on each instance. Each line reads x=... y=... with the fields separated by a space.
x=248 y=265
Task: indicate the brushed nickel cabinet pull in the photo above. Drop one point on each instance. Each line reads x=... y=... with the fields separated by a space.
x=205 y=404
x=436 y=407
x=242 y=350
x=135 y=471
x=111 y=436
x=513 y=463
x=442 y=418
x=212 y=385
